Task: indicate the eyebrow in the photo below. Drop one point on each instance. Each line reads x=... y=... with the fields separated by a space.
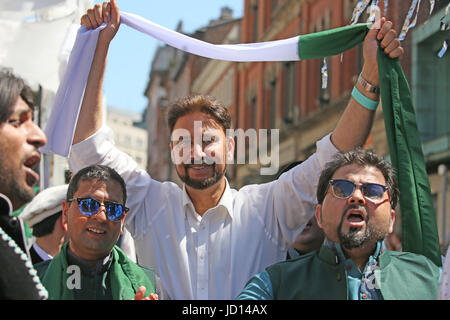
x=21 y=110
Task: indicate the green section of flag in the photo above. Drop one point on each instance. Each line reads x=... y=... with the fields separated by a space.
x=331 y=42
x=419 y=227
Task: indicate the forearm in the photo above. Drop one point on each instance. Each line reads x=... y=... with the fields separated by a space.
x=91 y=113
x=356 y=122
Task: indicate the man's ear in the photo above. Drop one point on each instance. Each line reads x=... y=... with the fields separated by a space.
x=229 y=149
x=392 y=221
x=65 y=215
x=318 y=215
x=122 y=222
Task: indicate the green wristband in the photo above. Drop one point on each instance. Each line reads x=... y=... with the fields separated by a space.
x=363 y=100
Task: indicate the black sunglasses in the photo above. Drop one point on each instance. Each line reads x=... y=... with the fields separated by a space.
x=371 y=191
x=90 y=207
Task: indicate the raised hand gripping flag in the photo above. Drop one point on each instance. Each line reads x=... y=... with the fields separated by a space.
x=419 y=232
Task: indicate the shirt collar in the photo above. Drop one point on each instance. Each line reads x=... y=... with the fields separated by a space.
x=336 y=247
x=41 y=252
x=225 y=201
x=5 y=203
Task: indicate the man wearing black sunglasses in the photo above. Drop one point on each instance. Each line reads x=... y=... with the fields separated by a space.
x=356 y=195
x=90 y=266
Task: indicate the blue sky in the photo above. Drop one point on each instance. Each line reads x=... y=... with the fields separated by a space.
x=131 y=52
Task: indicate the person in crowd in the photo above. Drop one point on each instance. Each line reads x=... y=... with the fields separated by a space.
x=19 y=142
x=356 y=195
x=89 y=266
x=44 y=215
x=20 y=139
x=206 y=239
x=311 y=237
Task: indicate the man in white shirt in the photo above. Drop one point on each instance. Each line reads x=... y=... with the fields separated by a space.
x=206 y=240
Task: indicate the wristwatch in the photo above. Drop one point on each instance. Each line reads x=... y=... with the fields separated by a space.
x=368 y=86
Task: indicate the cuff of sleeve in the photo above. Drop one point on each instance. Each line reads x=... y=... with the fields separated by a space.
x=325 y=150
x=91 y=150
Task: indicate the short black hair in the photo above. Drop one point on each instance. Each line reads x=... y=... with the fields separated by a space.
x=11 y=88
x=95 y=172
x=363 y=158
x=46 y=226
x=205 y=104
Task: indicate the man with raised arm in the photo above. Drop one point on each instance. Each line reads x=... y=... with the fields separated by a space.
x=205 y=240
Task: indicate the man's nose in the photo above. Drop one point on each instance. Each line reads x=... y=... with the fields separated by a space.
x=198 y=152
x=35 y=136
x=100 y=215
x=357 y=196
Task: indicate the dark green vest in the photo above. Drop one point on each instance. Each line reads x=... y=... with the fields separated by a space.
x=320 y=275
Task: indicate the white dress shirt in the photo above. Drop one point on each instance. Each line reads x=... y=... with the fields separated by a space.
x=214 y=255
x=444 y=289
x=41 y=252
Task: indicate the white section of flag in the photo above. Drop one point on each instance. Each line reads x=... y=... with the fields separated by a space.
x=63 y=119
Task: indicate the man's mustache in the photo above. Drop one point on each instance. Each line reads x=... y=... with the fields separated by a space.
x=205 y=162
x=355 y=207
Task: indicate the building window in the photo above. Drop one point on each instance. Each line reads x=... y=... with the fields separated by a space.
x=255 y=21
x=431 y=87
x=254 y=111
x=139 y=143
x=274 y=4
x=273 y=103
x=289 y=91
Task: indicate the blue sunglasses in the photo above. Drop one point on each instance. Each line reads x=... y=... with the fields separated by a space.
x=344 y=188
x=90 y=207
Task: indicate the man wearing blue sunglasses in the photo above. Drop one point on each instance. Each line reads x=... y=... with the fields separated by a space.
x=356 y=196
x=90 y=266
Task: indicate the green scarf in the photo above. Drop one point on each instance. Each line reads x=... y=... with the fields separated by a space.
x=419 y=227
x=124 y=275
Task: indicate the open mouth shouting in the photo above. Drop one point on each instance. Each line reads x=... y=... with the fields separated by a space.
x=32 y=161
x=355 y=218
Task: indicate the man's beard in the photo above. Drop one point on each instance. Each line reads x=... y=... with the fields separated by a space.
x=10 y=186
x=355 y=238
x=201 y=184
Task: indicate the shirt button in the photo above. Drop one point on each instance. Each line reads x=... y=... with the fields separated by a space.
x=364 y=296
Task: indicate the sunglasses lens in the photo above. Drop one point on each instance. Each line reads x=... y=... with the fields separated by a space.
x=89 y=206
x=114 y=211
x=373 y=191
x=343 y=188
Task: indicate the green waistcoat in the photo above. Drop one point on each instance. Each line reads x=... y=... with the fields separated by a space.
x=320 y=275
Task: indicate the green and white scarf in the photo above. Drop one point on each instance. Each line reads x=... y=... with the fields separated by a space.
x=124 y=275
